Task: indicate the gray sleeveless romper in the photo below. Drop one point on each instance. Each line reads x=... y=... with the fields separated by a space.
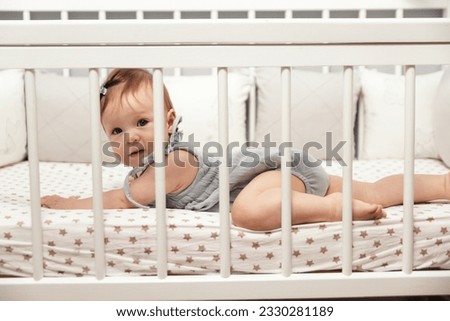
x=246 y=164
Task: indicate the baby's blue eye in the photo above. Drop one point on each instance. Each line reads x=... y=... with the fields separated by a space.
x=142 y=122
x=116 y=131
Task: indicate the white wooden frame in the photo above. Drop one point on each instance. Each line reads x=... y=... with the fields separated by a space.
x=223 y=44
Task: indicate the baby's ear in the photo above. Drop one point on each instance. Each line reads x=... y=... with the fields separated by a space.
x=171 y=115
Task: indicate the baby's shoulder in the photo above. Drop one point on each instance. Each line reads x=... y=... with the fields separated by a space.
x=182 y=158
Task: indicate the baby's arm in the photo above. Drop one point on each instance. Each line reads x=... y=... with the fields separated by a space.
x=111 y=199
x=180 y=172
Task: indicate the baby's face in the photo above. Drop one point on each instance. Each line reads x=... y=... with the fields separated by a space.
x=128 y=123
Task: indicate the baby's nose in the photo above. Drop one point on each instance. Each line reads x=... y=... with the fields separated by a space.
x=132 y=136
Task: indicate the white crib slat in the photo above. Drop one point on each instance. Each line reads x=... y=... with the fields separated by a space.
x=97 y=185
x=325 y=15
x=408 y=181
x=286 y=190
x=177 y=16
x=160 y=172
x=65 y=16
x=398 y=15
x=347 y=239
x=102 y=15
x=33 y=162
x=26 y=15
x=224 y=179
x=103 y=71
x=252 y=106
x=362 y=13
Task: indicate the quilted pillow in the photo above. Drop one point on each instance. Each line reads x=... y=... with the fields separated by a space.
x=13 y=131
x=441 y=119
x=63 y=118
x=316 y=109
x=384 y=102
x=64 y=115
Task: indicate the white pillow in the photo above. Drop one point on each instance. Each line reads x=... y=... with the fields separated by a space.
x=316 y=108
x=64 y=116
x=383 y=96
x=441 y=119
x=13 y=131
x=195 y=98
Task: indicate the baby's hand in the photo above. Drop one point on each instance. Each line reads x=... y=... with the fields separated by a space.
x=58 y=202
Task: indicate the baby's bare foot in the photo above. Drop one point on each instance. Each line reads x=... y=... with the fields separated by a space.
x=366 y=211
x=361 y=210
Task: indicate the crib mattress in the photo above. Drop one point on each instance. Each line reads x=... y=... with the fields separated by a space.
x=194 y=237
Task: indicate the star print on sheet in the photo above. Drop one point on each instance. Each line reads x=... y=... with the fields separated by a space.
x=130 y=237
x=390 y=231
x=255 y=245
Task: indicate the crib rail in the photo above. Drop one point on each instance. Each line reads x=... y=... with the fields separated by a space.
x=233 y=44
x=285 y=44
x=220 y=32
x=217 y=6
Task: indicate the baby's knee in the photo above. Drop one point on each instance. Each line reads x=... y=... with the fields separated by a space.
x=245 y=216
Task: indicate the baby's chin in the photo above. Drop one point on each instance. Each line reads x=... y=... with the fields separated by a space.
x=135 y=160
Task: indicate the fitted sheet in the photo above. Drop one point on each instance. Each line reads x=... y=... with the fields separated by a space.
x=194 y=237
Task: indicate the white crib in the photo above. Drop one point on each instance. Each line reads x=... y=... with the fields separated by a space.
x=260 y=34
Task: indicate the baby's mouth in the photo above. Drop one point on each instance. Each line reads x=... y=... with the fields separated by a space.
x=136 y=152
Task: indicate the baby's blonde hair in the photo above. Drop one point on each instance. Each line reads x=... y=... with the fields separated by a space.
x=130 y=80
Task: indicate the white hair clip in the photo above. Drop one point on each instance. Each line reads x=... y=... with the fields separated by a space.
x=103 y=91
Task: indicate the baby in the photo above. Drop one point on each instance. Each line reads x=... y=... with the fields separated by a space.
x=192 y=182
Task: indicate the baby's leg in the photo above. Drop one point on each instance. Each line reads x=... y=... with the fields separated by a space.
x=388 y=191
x=258 y=206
